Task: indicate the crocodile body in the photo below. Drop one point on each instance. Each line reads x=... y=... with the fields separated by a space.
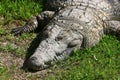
x=69 y=25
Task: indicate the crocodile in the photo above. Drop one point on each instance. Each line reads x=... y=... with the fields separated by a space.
x=66 y=25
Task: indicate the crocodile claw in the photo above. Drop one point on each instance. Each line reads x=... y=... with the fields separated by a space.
x=17 y=31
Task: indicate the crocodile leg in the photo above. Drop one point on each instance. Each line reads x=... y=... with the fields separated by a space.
x=114 y=27
x=40 y=20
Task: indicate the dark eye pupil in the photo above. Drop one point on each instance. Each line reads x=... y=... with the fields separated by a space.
x=59 y=38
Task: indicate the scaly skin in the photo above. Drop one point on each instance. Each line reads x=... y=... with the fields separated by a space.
x=72 y=24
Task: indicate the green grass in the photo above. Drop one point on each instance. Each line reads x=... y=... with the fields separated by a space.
x=3 y=72
x=19 y=9
x=101 y=62
x=14 y=13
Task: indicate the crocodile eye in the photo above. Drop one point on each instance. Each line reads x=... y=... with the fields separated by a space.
x=74 y=43
x=58 y=38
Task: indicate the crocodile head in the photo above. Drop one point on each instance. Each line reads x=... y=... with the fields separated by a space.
x=56 y=44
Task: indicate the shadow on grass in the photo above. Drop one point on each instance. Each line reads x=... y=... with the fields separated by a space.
x=33 y=46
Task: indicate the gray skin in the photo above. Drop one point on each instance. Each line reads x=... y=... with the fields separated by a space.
x=69 y=25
